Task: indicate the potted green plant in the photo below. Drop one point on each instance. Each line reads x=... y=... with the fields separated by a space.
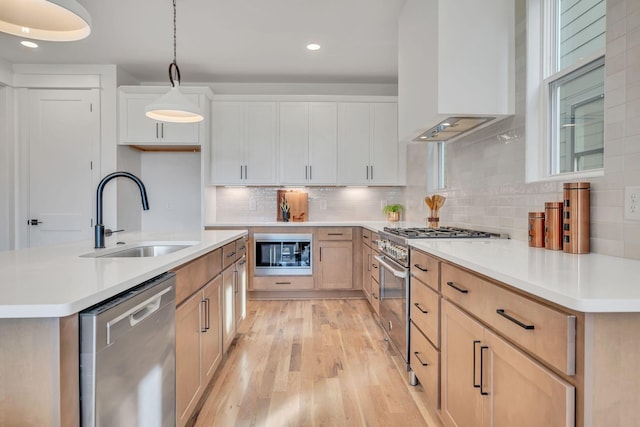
x=393 y=212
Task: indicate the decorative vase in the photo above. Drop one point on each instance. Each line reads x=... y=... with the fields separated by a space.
x=393 y=216
x=285 y=216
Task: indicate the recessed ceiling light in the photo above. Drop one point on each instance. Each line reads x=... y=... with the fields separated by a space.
x=313 y=46
x=27 y=43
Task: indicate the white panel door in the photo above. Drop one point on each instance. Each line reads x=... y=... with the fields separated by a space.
x=323 y=143
x=294 y=142
x=227 y=144
x=260 y=151
x=384 y=144
x=354 y=143
x=64 y=137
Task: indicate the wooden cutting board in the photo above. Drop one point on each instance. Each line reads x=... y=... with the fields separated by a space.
x=298 y=205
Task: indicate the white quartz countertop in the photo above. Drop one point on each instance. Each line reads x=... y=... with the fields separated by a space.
x=585 y=282
x=372 y=225
x=55 y=281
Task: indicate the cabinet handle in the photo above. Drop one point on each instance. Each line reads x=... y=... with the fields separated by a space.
x=306 y=172
x=283 y=283
x=416 y=353
x=208 y=304
x=371 y=171
x=420 y=268
x=374 y=265
x=310 y=172
x=482 y=349
x=162 y=133
x=157 y=132
x=502 y=313
x=246 y=175
x=367 y=173
x=235 y=279
x=365 y=237
x=321 y=254
x=474 y=364
x=242 y=262
x=334 y=234
x=231 y=254
x=373 y=294
x=464 y=291
x=368 y=262
x=417 y=304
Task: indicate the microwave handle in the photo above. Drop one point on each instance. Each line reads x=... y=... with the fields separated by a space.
x=402 y=274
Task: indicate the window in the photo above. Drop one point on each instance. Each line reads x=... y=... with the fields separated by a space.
x=565 y=87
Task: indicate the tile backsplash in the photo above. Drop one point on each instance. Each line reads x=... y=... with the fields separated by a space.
x=235 y=204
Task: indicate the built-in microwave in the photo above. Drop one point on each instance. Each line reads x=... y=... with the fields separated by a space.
x=282 y=254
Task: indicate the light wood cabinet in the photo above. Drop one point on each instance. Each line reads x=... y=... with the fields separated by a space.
x=135 y=128
x=228 y=307
x=308 y=143
x=488 y=382
x=334 y=258
x=368 y=143
x=366 y=271
x=241 y=290
x=244 y=143
x=212 y=327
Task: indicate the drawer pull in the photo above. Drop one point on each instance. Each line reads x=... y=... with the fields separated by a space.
x=502 y=313
x=417 y=304
x=416 y=353
x=283 y=283
x=474 y=364
x=463 y=291
x=484 y=347
x=420 y=268
x=374 y=295
x=231 y=254
x=334 y=234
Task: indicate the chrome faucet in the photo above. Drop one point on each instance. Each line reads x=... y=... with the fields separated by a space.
x=99 y=228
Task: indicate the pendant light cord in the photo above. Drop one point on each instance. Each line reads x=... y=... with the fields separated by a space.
x=174 y=71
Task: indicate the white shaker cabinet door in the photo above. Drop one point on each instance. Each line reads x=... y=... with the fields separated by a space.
x=260 y=151
x=227 y=150
x=294 y=142
x=384 y=144
x=323 y=143
x=355 y=134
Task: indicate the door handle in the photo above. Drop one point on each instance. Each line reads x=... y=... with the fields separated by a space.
x=33 y=222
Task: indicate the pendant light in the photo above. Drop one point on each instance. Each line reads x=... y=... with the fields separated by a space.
x=174 y=106
x=52 y=20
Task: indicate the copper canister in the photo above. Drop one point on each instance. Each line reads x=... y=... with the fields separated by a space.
x=553 y=225
x=575 y=222
x=536 y=229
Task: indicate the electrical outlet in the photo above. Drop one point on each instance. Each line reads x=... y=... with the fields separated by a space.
x=252 y=204
x=383 y=203
x=632 y=203
x=323 y=205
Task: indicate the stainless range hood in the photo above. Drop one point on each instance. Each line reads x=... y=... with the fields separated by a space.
x=452 y=128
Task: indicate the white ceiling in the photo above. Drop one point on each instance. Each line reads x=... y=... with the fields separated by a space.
x=234 y=40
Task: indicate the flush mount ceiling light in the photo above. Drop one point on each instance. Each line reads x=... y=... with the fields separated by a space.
x=27 y=43
x=52 y=20
x=313 y=46
x=174 y=106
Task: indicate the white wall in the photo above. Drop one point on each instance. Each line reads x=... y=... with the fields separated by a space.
x=7 y=237
x=172 y=180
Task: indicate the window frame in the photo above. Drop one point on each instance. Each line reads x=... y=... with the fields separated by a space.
x=542 y=58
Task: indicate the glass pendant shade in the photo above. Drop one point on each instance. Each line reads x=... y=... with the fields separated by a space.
x=52 y=20
x=174 y=107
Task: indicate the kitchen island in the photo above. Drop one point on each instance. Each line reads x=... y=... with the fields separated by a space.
x=41 y=291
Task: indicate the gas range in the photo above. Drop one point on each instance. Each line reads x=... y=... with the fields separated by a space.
x=394 y=242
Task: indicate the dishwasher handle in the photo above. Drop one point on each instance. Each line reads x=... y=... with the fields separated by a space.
x=119 y=325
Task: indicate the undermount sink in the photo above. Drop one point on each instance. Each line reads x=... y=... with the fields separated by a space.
x=141 y=250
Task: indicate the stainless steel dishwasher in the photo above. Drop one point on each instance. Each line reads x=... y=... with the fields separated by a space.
x=127 y=358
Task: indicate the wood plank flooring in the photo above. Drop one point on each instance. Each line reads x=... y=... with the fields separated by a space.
x=312 y=363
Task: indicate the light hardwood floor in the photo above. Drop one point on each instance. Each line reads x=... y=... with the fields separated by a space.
x=312 y=363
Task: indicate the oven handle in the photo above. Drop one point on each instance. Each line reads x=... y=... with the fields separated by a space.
x=398 y=273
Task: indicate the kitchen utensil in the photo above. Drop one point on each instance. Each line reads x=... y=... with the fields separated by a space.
x=435 y=203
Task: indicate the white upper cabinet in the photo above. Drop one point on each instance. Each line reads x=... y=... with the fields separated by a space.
x=244 y=143
x=135 y=128
x=455 y=59
x=308 y=143
x=368 y=143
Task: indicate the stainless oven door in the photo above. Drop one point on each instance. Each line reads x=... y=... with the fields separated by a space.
x=394 y=296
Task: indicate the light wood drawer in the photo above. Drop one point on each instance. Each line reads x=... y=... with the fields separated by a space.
x=282 y=283
x=228 y=254
x=241 y=247
x=425 y=362
x=546 y=332
x=375 y=295
x=425 y=310
x=335 y=233
x=425 y=268
x=194 y=275
x=366 y=236
x=375 y=266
